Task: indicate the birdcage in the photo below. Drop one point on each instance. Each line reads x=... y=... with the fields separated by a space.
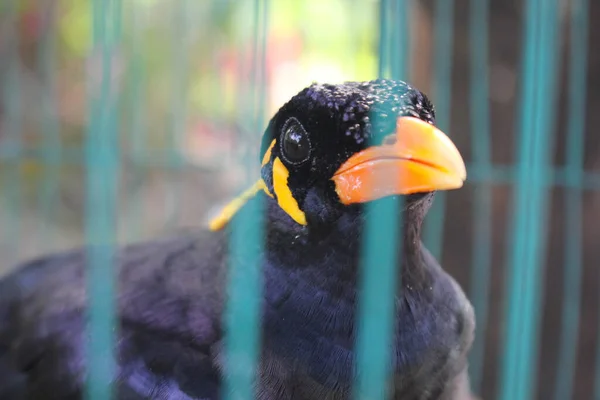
x=121 y=121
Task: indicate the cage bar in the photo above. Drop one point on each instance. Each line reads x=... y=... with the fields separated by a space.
x=382 y=243
x=527 y=239
x=242 y=316
x=102 y=164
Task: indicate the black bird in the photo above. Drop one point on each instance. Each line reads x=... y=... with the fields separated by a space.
x=325 y=153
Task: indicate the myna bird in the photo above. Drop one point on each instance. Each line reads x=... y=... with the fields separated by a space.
x=325 y=154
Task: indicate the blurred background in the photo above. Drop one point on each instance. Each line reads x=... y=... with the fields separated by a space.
x=184 y=78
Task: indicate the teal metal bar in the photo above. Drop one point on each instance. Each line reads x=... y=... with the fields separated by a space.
x=510 y=378
x=573 y=205
x=383 y=242
x=12 y=97
x=50 y=129
x=101 y=208
x=482 y=219
x=527 y=244
x=242 y=317
x=433 y=233
x=382 y=245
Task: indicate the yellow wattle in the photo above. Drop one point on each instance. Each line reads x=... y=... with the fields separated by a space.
x=285 y=199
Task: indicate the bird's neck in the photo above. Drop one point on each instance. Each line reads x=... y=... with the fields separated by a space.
x=311 y=292
x=332 y=253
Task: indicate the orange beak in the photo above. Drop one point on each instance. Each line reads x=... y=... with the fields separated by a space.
x=421 y=158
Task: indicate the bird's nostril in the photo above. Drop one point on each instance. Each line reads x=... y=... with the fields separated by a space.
x=389 y=139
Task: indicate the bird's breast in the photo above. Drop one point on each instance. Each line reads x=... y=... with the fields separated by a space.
x=309 y=330
x=309 y=323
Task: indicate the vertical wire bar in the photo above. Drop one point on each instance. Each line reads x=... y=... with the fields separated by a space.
x=50 y=127
x=510 y=360
x=531 y=202
x=380 y=264
x=443 y=49
x=102 y=174
x=544 y=150
x=13 y=103
x=242 y=320
x=481 y=140
x=377 y=304
x=573 y=205
x=178 y=116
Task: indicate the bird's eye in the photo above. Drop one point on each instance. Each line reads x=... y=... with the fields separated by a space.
x=295 y=146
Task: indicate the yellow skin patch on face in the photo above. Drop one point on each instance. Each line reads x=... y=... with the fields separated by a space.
x=234 y=206
x=285 y=199
x=218 y=222
x=267 y=156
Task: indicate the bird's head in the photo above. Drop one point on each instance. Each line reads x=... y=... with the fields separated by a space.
x=332 y=147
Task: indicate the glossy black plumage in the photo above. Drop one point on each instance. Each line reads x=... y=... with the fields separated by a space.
x=171 y=291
